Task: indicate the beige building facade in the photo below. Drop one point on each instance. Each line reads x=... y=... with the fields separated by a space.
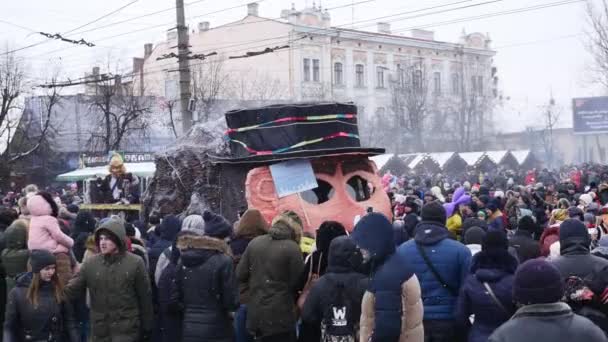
x=321 y=62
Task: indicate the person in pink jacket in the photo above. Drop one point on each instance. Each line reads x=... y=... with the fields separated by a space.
x=45 y=233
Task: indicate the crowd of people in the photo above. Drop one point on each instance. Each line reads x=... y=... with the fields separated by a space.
x=478 y=260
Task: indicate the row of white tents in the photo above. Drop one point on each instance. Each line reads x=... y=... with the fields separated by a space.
x=444 y=160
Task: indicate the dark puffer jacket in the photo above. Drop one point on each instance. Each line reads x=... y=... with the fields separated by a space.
x=344 y=260
x=526 y=247
x=271 y=268
x=16 y=254
x=328 y=231
x=25 y=323
x=84 y=226
x=450 y=258
x=498 y=273
x=205 y=287
x=119 y=287
x=576 y=259
x=169 y=228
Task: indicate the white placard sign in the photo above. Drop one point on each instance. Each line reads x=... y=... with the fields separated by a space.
x=292 y=177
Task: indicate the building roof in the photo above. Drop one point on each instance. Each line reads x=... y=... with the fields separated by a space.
x=497 y=156
x=471 y=158
x=521 y=155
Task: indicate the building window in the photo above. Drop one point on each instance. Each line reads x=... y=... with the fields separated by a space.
x=306 y=70
x=338 y=75
x=400 y=76
x=480 y=85
x=417 y=79
x=437 y=83
x=316 y=72
x=359 y=75
x=474 y=84
x=455 y=84
x=380 y=76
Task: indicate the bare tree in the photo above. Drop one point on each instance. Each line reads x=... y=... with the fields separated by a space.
x=597 y=40
x=256 y=86
x=550 y=116
x=169 y=108
x=120 y=115
x=209 y=84
x=471 y=106
x=409 y=97
x=22 y=134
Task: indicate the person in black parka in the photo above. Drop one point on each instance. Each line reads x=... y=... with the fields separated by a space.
x=169 y=227
x=344 y=260
x=328 y=231
x=84 y=226
x=493 y=267
x=205 y=288
x=36 y=310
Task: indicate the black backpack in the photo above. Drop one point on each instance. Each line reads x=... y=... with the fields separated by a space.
x=339 y=322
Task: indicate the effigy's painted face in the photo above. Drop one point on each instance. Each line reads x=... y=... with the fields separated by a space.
x=347 y=187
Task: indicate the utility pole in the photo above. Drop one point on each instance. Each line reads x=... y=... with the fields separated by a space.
x=184 y=67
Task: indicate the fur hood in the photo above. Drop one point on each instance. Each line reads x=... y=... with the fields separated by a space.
x=190 y=241
x=38 y=206
x=287 y=226
x=251 y=224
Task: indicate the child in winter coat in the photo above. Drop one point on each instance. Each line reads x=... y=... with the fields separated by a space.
x=46 y=234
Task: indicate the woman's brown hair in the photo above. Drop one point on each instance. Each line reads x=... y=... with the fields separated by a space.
x=32 y=291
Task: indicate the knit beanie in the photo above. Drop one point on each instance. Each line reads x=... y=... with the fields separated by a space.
x=73 y=208
x=434 y=212
x=40 y=258
x=495 y=240
x=194 y=224
x=537 y=282
x=526 y=223
x=589 y=218
x=216 y=225
x=585 y=199
x=576 y=212
x=573 y=229
x=474 y=236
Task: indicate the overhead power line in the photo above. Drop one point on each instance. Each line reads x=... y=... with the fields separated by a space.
x=102 y=17
x=87 y=24
x=364 y=34
x=58 y=36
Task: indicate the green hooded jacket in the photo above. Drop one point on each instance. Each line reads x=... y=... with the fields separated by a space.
x=119 y=287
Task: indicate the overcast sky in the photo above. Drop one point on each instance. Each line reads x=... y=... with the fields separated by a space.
x=538 y=52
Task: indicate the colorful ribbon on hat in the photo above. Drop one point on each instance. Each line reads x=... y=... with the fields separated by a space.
x=292 y=119
x=300 y=144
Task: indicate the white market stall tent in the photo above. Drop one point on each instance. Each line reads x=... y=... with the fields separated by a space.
x=497 y=156
x=139 y=169
x=471 y=158
x=381 y=160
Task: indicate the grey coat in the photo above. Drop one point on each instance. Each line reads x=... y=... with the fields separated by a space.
x=547 y=322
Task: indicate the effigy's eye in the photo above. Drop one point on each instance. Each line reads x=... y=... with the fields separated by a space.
x=321 y=194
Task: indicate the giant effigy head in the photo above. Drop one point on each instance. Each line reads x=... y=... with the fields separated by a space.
x=306 y=158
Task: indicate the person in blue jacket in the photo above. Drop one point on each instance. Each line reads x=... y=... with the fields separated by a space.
x=391 y=309
x=491 y=269
x=441 y=265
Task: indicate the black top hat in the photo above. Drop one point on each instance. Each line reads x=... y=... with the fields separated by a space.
x=294 y=131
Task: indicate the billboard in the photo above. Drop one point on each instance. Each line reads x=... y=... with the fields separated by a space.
x=590 y=115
